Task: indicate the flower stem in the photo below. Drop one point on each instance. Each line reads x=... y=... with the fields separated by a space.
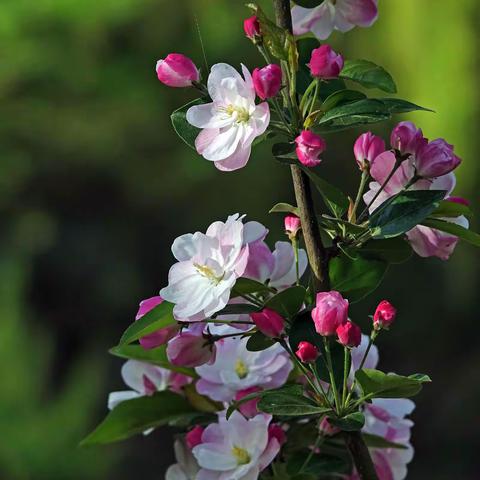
x=361 y=188
x=333 y=383
x=346 y=371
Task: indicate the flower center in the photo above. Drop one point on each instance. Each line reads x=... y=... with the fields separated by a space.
x=241 y=455
x=241 y=369
x=242 y=113
x=209 y=273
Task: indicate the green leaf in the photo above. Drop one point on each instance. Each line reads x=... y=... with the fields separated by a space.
x=156 y=356
x=375 y=441
x=397 y=105
x=159 y=317
x=350 y=423
x=135 y=416
x=378 y=384
x=237 y=309
x=188 y=133
x=340 y=97
x=357 y=278
x=285 y=153
x=284 y=208
x=368 y=110
x=369 y=75
x=288 y=302
x=457 y=230
x=401 y=213
x=258 y=342
x=287 y=404
x=245 y=286
x=447 y=208
x=334 y=198
x=392 y=250
x=319 y=464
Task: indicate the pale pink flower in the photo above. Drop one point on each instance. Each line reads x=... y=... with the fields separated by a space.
x=325 y=63
x=331 y=311
x=208 y=266
x=236 y=448
x=332 y=15
x=435 y=158
x=232 y=121
x=407 y=138
x=186 y=467
x=367 y=148
x=177 y=70
x=292 y=225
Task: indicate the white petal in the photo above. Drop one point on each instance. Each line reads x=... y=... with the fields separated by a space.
x=235 y=161
x=118 y=397
x=207 y=116
x=224 y=144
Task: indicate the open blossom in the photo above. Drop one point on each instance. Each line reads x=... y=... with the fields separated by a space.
x=177 y=70
x=145 y=379
x=186 y=467
x=340 y=15
x=367 y=148
x=232 y=121
x=331 y=311
x=425 y=241
x=236 y=368
x=278 y=266
x=325 y=63
x=236 y=448
x=208 y=265
x=161 y=336
x=309 y=147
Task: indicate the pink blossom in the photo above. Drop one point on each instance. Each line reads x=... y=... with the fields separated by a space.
x=275 y=431
x=349 y=334
x=384 y=315
x=325 y=63
x=267 y=81
x=251 y=27
x=292 y=225
x=177 y=70
x=194 y=436
x=330 y=312
x=407 y=138
x=460 y=200
x=248 y=408
x=309 y=147
x=340 y=15
x=269 y=322
x=435 y=158
x=367 y=148
x=161 y=336
x=307 y=352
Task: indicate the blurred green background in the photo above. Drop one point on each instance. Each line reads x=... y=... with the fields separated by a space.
x=94 y=187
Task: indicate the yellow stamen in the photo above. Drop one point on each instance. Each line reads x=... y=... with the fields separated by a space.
x=209 y=273
x=242 y=113
x=241 y=455
x=241 y=369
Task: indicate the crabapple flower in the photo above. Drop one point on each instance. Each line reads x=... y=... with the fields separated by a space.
x=309 y=147
x=236 y=448
x=249 y=408
x=194 y=436
x=267 y=81
x=384 y=315
x=177 y=70
x=331 y=311
x=340 y=15
x=325 y=63
x=367 y=148
x=349 y=334
x=145 y=379
x=278 y=266
x=406 y=138
x=186 y=467
x=161 y=336
x=208 y=265
x=251 y=27
x=435 y=158
x=232 y=121
x=236 y=368
x=190 y=348
x=269 y=322
x=307 y=352
x=292 y=225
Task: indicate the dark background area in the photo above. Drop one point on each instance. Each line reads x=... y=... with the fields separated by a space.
x=95 y=185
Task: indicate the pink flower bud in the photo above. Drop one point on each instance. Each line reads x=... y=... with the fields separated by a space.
x=327 y=429
x=161 y=336
x=309 y=147
x=177 y=70
x=349 y=334
x=194 y=436
x=384 y=315
x=325 y=63
x=292 y=225
x=367 y=148
x=436 y=158
x=251 y=26
x=249 y=408
x=330 y=312
x=188 y=349
x=460 y=200
x=406 y=138
x=277 y=432
x=267 y=80
x=307 y=352
x=269 y=322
